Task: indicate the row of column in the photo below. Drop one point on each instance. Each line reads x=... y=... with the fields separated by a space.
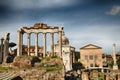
x=20 y=42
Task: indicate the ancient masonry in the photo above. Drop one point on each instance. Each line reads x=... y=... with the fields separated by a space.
x=5 y=46
x=115 y=66
x=37 y=29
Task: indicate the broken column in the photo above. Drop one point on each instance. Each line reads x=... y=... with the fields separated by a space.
x=115 y=66
x=1 y=55
x=6 y=46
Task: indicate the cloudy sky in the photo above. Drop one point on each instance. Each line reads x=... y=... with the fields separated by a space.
x=85 y=21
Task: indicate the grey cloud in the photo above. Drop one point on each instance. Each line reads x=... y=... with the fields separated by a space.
x=114 y=11
x=28 y=4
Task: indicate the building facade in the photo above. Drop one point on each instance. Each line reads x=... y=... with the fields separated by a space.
x=91 y=56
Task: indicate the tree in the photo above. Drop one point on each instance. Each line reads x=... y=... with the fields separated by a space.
x=12 y=44
x=10 y=57
x=118 y=63
x=34 y=60
x=77 y=66
x=77 y=56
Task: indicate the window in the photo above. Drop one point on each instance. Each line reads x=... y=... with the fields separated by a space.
x=86 y=57
x=91 y=65
x=91 y=57
x=96 y=57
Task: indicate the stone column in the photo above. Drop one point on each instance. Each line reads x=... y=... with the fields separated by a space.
x=21 y=42
x=36 y=46
x=114 y=57
x=44 y=42
x=28 y=44
x=60 y=44
x=2 y=49
x=6 y=48
x=19 y=49
x=52 y=44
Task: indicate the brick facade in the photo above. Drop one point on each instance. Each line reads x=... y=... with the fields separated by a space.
x=91 y=56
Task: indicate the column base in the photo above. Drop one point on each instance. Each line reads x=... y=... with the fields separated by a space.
x=115 y=67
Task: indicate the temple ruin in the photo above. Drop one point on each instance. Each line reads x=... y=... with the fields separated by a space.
x=61 y=49
x=39 y=28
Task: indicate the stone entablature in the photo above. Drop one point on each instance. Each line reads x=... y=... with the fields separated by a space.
x=41 y=28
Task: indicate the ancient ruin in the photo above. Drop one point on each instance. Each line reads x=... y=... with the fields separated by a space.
x=115 y=66
x=61 y=49
x=37 y=29
x=5 y=46
x=68 y=52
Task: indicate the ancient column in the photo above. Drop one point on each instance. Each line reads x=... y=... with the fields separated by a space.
x=2 y=49
x=6 y=44
x=21 y=42
x=19 y=49
x=60 y=44
x=28 y=44
x=115 y=66
x=36 y=46
x=44 y=42
x=52 y=44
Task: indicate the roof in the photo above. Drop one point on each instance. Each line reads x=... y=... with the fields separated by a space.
x=91 y=46
x=7 y=76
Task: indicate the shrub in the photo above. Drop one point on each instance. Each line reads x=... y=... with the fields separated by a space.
x=34 y=60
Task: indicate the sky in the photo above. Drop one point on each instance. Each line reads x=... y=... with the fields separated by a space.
x=85 y=21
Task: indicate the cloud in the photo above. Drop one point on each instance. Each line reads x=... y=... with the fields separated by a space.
x=114 y=11
x=30 y=4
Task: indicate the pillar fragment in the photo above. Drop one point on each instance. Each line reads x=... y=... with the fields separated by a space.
x=2 y=49
x=115 y=66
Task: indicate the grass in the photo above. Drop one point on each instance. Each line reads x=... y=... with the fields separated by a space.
x=50 y=69
x=49 y=65
x=3 y=68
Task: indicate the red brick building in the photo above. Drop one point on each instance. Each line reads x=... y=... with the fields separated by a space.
x=32 y=50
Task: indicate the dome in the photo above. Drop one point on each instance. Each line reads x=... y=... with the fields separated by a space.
x=65 y=40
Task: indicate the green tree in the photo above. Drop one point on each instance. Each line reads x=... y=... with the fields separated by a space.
x=118 y=63
x=77 y=66
x=12 y=44
x=34 y=60
x=77 y=56
x=110 y=64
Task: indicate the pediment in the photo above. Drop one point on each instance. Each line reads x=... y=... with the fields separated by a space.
x=91 y=46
